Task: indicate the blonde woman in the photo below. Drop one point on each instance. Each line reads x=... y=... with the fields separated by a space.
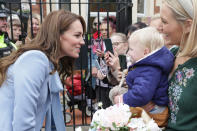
x=117 y=61
x=35 y=27
x=119 y=43
x=180 y=27
x=120 y=46
x=156 y=22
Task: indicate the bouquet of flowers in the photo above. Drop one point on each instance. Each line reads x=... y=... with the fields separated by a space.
x=119 y=117
x=112 y=118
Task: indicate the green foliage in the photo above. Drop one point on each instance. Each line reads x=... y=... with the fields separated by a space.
x=134 y=114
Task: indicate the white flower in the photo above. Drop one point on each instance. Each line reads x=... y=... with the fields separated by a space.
x=152 y=126
x=138 y=124
x=118 y=114
x=97 y=115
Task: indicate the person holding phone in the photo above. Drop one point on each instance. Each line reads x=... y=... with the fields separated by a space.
x=100 y=70
x=117 y=61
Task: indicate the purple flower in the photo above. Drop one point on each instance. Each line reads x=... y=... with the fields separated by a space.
x=179 y=76
x=189 y=73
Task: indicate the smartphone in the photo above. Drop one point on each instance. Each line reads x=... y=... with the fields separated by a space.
x=22 y=36
x=108 y=45
x=97 y=44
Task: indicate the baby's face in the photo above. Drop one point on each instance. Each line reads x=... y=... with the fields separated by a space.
x=136 y=51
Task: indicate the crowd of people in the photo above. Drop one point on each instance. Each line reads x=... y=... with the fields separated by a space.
x=157 y=61
x=11 y=32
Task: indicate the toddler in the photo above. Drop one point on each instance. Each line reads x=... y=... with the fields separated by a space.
x=147 y=78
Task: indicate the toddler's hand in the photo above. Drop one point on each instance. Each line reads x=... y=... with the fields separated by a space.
x=148 y=107
x=118 y=99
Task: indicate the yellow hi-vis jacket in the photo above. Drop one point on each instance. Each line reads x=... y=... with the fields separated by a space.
x=6 y=47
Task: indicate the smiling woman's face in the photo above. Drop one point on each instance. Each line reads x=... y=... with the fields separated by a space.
x=36 y=26
x=119 y=45
x=72 y=40
x=172 y=30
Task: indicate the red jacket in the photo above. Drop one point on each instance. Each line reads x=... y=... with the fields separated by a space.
x=76 y=84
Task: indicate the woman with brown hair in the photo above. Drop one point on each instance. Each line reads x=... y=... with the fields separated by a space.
x=29 y=80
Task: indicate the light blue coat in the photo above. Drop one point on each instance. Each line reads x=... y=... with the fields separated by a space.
x=29 y=94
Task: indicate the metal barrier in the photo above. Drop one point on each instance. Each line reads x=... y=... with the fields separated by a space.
x=89 y=9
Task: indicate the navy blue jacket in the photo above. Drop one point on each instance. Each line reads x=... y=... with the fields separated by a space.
x=147 y=79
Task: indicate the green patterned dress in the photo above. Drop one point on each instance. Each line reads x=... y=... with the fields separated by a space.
x=183 y=97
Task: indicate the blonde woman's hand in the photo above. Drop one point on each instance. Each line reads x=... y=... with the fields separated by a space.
x=117 y=74
x=112 y=60
x=100 y=75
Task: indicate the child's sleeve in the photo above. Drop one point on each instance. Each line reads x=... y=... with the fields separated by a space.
x=142 y=86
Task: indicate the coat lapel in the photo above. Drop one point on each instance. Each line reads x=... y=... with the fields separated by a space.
x=55 y=87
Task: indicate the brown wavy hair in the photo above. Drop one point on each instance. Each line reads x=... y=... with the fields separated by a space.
x=48 y=41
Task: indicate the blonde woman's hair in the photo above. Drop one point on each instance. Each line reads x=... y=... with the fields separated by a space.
x=148 y=37
x=122 y=36
x=34 y=16
x=156 y=16
x=188 y=44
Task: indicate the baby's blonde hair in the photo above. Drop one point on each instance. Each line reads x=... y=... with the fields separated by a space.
x=148 y=37
x=122 y=36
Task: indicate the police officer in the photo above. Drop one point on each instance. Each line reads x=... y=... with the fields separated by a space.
x=6 y=47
